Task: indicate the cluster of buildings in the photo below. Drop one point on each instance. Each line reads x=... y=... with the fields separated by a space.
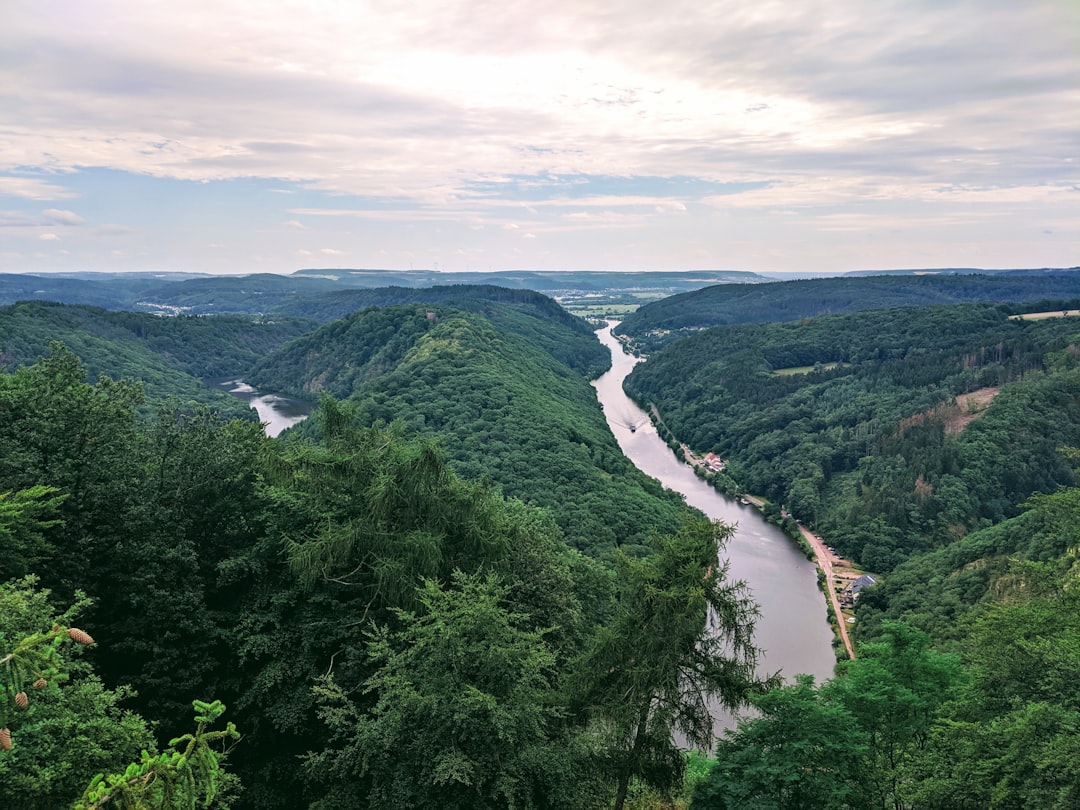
x=713 y=462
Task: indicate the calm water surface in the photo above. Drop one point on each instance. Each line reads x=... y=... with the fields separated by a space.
x=793 y=627
x=275 y=412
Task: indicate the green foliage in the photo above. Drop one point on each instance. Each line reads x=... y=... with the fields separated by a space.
x=168 y=356
x=855 y=742
x=388 y=512
x=803 y=752
x=56 y=430
x=871 y=452
x=1010 y=740
x=188 y=776
x=679 y=645
x=198 y=505
x=71 y=725
x=466 y=713
x=24 y=515
x=364 y=516
x=894 y=690
x=504 y=410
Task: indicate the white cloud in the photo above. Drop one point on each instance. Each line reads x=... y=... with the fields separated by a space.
x=403 y=106
x=331 y=252
x=32 y=188
x=374 y=97
x=57 y=216
x=49 y=237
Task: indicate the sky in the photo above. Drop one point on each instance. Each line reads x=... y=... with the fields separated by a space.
x=799 y=136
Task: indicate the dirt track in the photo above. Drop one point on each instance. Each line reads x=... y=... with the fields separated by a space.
x=824 y=560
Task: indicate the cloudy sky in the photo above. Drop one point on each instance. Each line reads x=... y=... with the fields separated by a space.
x=802 y=135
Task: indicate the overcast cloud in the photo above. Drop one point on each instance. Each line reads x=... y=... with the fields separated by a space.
x=231 y=136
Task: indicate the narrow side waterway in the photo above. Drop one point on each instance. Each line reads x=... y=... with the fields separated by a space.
x=793 y=628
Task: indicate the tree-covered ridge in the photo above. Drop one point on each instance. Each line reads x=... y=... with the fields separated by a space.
x=862 y=449
x=502 y=407
x=662 y=322
x=522 y=312
x=328 y=294
x=168 y=356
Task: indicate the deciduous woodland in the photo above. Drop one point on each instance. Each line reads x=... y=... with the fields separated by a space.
x=450 y=589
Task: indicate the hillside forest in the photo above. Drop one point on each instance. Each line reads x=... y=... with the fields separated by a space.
x=934 y=446
x=449 y=588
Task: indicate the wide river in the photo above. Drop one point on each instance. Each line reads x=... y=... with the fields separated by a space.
x=793 y=628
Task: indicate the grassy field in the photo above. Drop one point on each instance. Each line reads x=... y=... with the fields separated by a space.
x=599 y=310
x=788 y=372
x=1038 y=316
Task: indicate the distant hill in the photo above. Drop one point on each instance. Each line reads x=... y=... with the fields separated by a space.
x=324 y=294
x=543 y=281
x=661 y=322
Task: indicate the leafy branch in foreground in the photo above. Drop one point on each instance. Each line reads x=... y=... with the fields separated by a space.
x=188 y=776
x=33 y=663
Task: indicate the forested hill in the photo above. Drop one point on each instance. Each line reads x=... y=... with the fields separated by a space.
x=503 y=407
x=169 y=356
x=853 y=421
x=659 y=323
x=524 y=312
x=939 y=447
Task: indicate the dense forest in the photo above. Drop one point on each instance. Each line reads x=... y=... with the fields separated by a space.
x=933 y=445
x=670 y=319
x=168 y=356
x=505 y=392
x=854 y=424
x=450 y=589
x=330 y=294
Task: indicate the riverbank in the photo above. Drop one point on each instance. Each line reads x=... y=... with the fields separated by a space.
x=793 y=626
x=824 y=558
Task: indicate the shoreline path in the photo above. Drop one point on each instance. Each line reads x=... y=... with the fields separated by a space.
x=822 y=556
x=824 y=562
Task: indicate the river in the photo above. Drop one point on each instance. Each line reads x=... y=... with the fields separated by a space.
x=275 y=412
x=792 y=629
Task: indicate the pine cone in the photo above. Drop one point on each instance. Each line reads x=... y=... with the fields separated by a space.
x=21 y=700
x=5 y=739
x=40 y=683
x=80 y=636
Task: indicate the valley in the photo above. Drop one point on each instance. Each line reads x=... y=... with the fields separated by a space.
x=458 y=495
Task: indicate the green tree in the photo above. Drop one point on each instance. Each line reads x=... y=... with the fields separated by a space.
x=894 y=691
x=364 y=517
x=679 y=646
x=802 y=752
x=162 y=605
x=188 y=776
x=57 y=430
x=1011 y=739
x=24 y=516
x=466 y=713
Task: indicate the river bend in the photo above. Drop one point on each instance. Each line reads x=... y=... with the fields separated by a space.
x=792 y=629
